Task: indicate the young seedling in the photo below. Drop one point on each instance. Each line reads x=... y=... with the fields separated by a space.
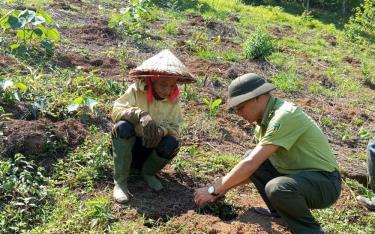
x=213 y=106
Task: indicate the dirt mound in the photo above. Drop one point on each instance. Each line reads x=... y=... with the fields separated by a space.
x=219 y=29
x=109 y=67
x=210 y=224
x=33 y=137
x=94 y=36
x=280 y=32
x=201 y=67
x=71 y=131
x=21 y=110
x=8 y=64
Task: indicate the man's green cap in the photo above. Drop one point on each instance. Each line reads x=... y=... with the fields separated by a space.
x=246 y=87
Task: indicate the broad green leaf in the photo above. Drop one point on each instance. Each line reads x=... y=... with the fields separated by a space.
x=73 y=107
x=21 y=86
x=24 y=34
x=52 y=34
x=37 y=20
x=14 y=22
x=47 y=45
x=78 y=100
x=91 y=103
x=205 y=100
x=216 y=102
x=4 y=23
x=16 y=96
x=38 y=32
x=46 y=16
x=6 y=84
x=14 y=46
x=26 y=15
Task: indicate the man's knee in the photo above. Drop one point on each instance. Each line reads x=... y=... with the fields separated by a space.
x=123 y=129
x=280 y=188
x=168 y=147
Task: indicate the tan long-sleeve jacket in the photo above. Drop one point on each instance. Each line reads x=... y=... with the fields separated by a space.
x=129 y=106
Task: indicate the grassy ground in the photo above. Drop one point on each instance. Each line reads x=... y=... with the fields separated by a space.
x=64 y=186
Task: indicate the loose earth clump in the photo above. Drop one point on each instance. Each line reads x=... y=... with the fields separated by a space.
x=34 y=137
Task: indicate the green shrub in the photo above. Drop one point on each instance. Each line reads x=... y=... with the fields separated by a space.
x=258 y=45
x=23 y=192
x=361 y=26
x=132 y=19
x=32 y=31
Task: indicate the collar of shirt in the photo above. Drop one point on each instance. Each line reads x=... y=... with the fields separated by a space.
x=268 y=113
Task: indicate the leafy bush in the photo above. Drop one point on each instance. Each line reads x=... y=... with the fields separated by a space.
x=23 y=192
x=32 y=31
x=10 y=90
x=361 y=26
x=258 y=45
x=133 y=18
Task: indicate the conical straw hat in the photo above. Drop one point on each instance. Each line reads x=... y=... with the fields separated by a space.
x=164 y=64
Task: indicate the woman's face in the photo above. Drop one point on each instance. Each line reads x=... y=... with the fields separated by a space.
x=164 y=87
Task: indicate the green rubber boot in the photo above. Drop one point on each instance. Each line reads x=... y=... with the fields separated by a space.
x=122 y=157
x=151 y=166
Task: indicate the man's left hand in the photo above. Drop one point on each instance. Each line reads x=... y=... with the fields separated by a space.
x=202 y=197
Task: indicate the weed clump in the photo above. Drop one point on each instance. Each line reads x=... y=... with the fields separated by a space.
x=23 y=194
x=258 y=46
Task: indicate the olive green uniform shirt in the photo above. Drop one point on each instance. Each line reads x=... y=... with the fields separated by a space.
x=303 y=145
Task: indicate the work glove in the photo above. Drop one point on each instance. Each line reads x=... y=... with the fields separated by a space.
x=151 y=132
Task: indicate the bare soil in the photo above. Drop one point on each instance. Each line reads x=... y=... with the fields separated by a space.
x=233 y=135
x=34 y=137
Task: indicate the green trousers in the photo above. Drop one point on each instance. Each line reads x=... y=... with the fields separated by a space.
x=292 y=196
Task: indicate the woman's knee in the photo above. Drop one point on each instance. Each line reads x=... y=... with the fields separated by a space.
x=168 y=147
x=123 y=129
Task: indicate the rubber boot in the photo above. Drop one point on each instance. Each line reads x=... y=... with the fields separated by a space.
x=122 y=157
x=151 y=166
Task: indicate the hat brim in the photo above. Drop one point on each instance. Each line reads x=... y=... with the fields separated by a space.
x=235 y=101
x=181 y=78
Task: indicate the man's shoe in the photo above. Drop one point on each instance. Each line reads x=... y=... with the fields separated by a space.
x=369 y=203
x=120 y=195
x=266 y=212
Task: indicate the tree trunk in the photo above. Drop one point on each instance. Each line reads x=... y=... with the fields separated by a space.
x=307 y=5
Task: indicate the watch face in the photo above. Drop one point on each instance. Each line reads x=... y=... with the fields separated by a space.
x=211 y=189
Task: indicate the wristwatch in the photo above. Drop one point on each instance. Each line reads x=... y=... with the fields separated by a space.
x=211 y=191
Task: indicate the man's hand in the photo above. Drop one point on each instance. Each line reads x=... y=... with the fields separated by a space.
x=202 y=197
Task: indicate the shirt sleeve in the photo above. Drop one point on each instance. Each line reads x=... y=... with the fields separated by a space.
x=284 y=129
x=125 y=107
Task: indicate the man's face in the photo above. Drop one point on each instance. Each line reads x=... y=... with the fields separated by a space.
x=164 y=87
x=248 y=110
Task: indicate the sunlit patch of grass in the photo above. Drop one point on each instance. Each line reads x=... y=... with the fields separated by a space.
x=171 y=28
x=288 y=81
x=348 y=217
x=204 y=165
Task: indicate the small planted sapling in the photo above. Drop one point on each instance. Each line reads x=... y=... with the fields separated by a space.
x=213 y=106
x=82 y=105
x=32 y=29
x=11 y=90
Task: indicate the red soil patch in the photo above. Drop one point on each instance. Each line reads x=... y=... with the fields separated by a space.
x=32 y=137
